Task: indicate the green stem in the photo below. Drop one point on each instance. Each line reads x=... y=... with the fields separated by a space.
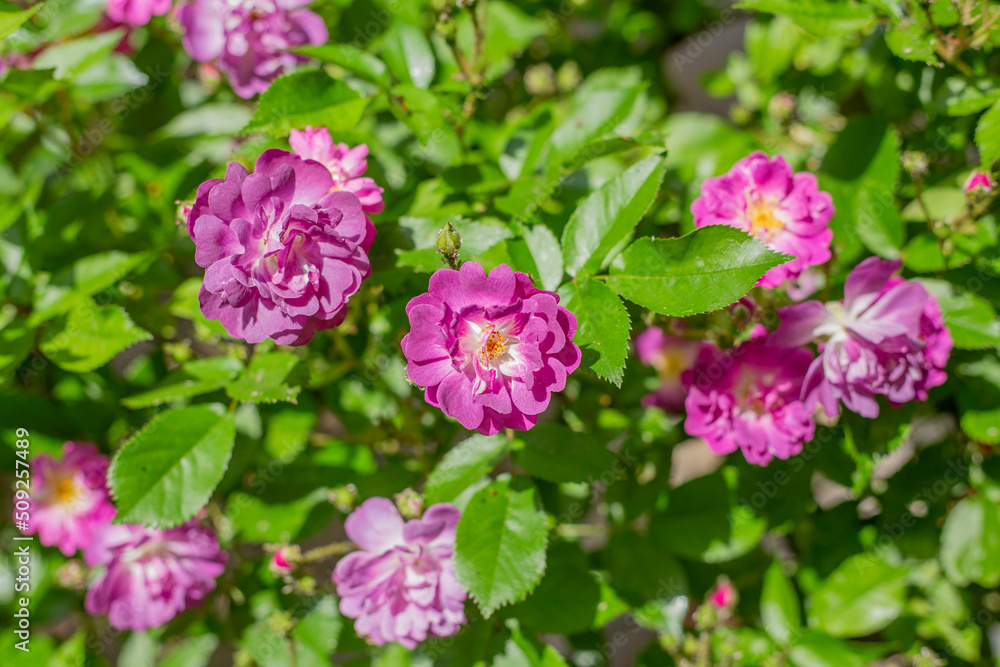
x=328 y=551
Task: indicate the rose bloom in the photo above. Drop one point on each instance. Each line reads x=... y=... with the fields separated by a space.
x=785 y=211
x=749 y=399
x=346 y=165
x=69 y=497
x=979 y=180
x=250 y=39
x=282 y=253
x=670 y=356
x=490 y=350
x=401 y=585
x=724 y=595
x=150 y=574
x=136 y=12
x=886 y=337
x=284 y=559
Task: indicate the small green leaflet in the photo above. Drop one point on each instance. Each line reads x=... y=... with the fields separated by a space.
x=705 y=270
x=264 y=380
x=306 y=98
x=193 y=378
x=607 y=218
x=464 y=465
x=90 y=336
x=602 y=326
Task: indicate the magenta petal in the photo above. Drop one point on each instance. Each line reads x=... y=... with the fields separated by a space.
x=376 y=525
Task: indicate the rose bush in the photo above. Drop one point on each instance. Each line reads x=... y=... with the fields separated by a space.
x=479 y=332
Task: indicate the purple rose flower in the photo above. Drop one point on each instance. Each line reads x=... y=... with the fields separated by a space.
x=151 y=574
x=70 y=499
x=401 y=586
x=282 y=253
x=885 y=338
x=670 y=356
x=489 y=350
x=136 y=12
x=250 y=39
x=749 y=399
x=786 y=212
x=346 y=165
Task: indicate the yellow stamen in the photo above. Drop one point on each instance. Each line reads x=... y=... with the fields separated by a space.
x=763 y=222
x=494 y=346
x=66 y=491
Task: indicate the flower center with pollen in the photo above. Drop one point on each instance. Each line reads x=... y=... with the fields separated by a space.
x=763 y=222
x=66 y=491
x=492 y=344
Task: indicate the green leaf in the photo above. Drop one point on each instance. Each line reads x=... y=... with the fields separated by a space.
x=862 y=596
x=568 y=599
x=409 y=55
x=191 y=652
x=813 y=649
x=558 y=454
x=288 y=433
x=970 y=542
x=771 y=47
x=780 y=612
x=72 y=57
x=219 y=119
x=264 y=380
x=606 y=219
x=876 y=214
x=90 y=336
x=707 y=269
x=912 y=42
x=351 y=58
x=193 y=378
x=988 y=136
x=601 y=104
x=602 y=326
x=259 y=521
x=306 y=98
x=140 y=648
x=547 y=254
x=982 y=425
x=316 y=634
x=971 y=320
x=11 y=21
x=425 y=114
x=819 y=17
x=464 y=465
x=85 y=278
x=16 y=340
x=500 y=546
x=942 y=202
x=108 y=78
x=508 y=32
x=962 y=96
x=166 y=473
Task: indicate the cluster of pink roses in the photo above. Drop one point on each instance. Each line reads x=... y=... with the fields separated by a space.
x=885 y=338
x=146 y=575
